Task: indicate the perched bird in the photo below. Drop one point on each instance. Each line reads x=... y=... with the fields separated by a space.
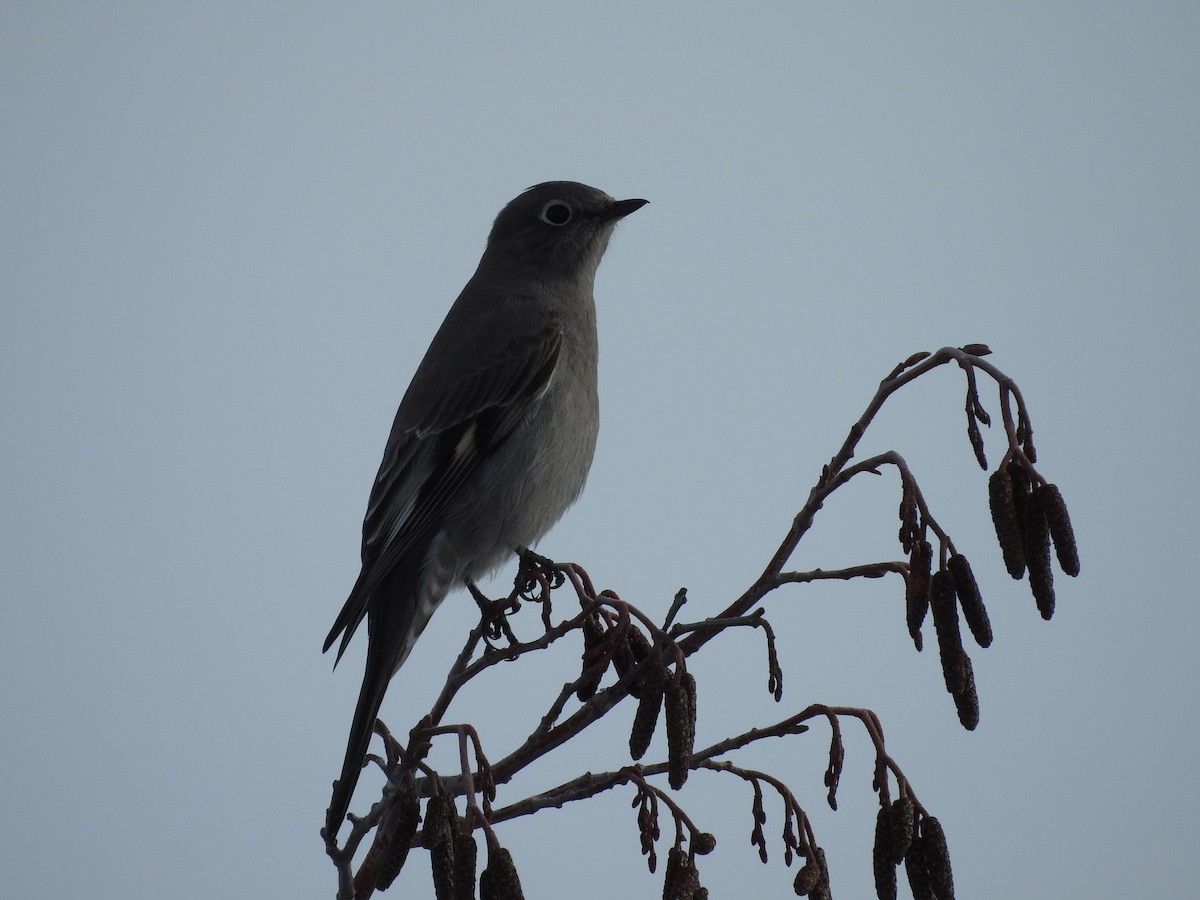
x=493 y=439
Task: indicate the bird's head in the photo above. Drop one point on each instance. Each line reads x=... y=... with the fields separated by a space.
x=559 y=228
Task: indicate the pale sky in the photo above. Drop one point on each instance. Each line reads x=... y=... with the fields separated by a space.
x=230 y=231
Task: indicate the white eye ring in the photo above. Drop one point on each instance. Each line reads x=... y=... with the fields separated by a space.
x=557 y=213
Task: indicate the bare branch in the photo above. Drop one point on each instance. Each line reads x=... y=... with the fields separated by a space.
x=650 y=665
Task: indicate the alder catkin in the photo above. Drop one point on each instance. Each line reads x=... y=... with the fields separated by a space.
x=499 y=880
x=881 y=856
x=945 y=623
x=970 y=600
x=399 y=825
x=937 y=857
x=646 y=717
x=806 y=879
x=822 y=891
x=1021 y=490
x=916 y=589
x=680 y=714
x=900 y=817
x=438 y=838
x=632 y=647
x=1007 y=522
x=916 y=867
x=639 y=649
x=676 y=857
x=1061 y=532
x=1037 y=556
x=466 y=852
x=681 y=880
x=593 y=652
x=966 y=700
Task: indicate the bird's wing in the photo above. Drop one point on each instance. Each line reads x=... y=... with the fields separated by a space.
x=463 y=409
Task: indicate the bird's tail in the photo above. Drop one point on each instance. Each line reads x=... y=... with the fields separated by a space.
x=393 y=627
x=370 y=697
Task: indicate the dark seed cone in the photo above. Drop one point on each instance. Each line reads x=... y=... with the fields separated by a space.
x=1037 y=554
x=676 y=858
x=682 y=880
x=441 y=860
x=681 y=727
x=883 y=831
x=438 y=838
x=806 y=879
x=916 y=867
x=909 y=528
x=945 y=623
x=1043 y=594
x=499 y=880
x=675 y=702
x=970 y=600
x=881 y=856
x=1061 y=531
x=937 y=856
x=631 y=650
x=438 y=821
x=966 y=701
x=1004 y=517
x=1021 y=490
x=687 y=883
x=916 y=590
x=593 y=651
x=703 y=843
x=398 y=828
x=689 y=688
x=646 y=717
x=1022 y=498
x=900 y=820
x=822 y=891
x=639 y=648
x=622 y=656
x=466 y=852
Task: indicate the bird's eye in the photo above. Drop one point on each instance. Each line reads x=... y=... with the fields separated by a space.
x=556 y=213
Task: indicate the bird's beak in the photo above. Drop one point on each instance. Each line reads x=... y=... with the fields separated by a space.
x=621 y=208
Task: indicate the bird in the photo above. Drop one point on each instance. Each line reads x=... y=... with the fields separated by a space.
x=492 y=441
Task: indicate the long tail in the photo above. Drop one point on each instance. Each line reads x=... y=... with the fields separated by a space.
x=394 y=622
x=379 y=669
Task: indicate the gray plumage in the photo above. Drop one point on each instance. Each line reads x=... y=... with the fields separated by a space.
x=493 y=439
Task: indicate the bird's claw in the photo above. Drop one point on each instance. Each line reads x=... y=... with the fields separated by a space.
x=494 y=615
x=536 y=570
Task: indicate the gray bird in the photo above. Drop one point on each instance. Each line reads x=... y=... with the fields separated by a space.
x=493 y=439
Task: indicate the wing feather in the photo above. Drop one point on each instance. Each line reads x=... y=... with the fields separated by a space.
x=441 y=433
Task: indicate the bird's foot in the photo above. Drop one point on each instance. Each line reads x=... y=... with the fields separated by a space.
x=537 y=574
x=494 y=614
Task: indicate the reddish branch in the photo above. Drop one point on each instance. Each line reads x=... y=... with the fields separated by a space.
x=642 y=652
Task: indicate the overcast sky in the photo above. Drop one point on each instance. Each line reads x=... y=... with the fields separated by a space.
x=229 y=233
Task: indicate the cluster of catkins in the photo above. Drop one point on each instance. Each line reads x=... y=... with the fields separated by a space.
x=655 y=687
x=900 y=837
x=682 y=879
x=812 y=880
x=452 y=851
x=1028 y=517
x=944 y=593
